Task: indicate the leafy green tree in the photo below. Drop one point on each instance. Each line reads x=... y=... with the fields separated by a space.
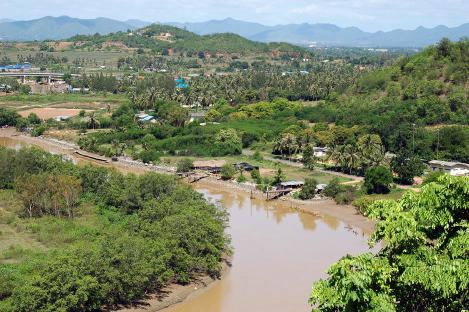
x=228 y=142
x=309 y=160
x=308 y=190
x=148 y=141
x=377 y=180
x=423 y=264
x=407 y=166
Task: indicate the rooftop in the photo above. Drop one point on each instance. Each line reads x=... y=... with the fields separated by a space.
x=209 y=163
x=448 y=163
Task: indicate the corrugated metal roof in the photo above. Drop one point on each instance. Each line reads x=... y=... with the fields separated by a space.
x=448 y=163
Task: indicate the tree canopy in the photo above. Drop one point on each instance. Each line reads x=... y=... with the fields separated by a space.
x=423 y=264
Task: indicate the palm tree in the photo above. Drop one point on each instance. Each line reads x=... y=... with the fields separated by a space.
x=371 y=150
x=93 y=121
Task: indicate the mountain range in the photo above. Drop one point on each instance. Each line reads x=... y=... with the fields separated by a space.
x=62 y=27
x=329 y=34
x=301 y=34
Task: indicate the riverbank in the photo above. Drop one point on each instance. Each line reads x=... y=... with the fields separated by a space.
x=176 y=293
x=323 y=208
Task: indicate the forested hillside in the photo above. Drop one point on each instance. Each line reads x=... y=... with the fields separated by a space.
x=157 y=37
x=421 y=101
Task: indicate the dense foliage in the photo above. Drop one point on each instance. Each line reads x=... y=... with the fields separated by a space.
x=141 y=233
x=154 y=38
x=423 y=263
x=403 y=102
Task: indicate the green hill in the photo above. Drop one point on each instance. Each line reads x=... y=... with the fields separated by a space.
x=159 y=37
x=421 y=103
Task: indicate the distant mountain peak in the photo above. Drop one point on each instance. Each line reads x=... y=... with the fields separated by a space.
x=325 y=34
x=61 y=27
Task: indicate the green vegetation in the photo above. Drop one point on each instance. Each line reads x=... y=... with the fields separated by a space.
x=423 y=264
x=153 y=38
x=184 y=165
x=101 y=238
x=378 y=180
x=401 y=102
x=227 y=172
x=308 y=190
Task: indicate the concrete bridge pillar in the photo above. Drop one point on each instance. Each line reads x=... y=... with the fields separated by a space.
x=23 y=79
x=49 y=80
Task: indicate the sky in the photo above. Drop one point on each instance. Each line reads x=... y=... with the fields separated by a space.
x=369 y=15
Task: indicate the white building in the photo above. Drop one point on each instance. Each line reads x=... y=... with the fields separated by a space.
x=449 y=167
x=320 y=151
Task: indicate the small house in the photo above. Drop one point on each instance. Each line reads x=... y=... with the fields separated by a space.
x=62 y=118
x=288 y=185
x=320 y=188
x=320 y=151
x=212 y=166
x=449 y=167
x=245 y=166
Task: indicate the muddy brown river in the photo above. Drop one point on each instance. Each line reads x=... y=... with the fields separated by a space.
x=278 y=253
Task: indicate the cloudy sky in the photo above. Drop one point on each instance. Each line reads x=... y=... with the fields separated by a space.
x=369 y=15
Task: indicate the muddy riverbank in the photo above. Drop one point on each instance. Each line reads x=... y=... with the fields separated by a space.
x=281 y=246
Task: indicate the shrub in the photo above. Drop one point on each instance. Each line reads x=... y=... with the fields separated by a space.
x=256 y=176
x=241 y=178
x=346 y=196
x=38 y=131
x=257 y=156
x=309 y=189
x=184 y=165
x=333 y=188
x=362 y=204
x=227 y=172
x=149 y=156
x=432 y=176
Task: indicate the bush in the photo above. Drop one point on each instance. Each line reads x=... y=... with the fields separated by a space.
x=333 y=188
x=227 y=172
x=309 y=189
x=257 y=156
x=362 y=204
x=38 y=131
x=377 y=180
x=241 y=178
x=149 y=156
x=432 y=176
x=346 y=196
x=227 y=142
x=34 y=119
x=184 y=165
x=256 y=176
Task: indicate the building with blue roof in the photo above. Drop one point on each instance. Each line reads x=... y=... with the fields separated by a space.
x=16 y=67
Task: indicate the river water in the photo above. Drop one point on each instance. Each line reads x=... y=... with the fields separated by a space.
x=278 y=253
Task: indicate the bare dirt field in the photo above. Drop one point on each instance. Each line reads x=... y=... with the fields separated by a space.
x=49 y=112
